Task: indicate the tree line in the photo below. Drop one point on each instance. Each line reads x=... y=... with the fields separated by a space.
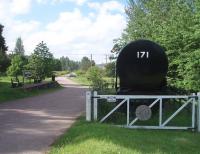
x=41 y=62
x=175 y=26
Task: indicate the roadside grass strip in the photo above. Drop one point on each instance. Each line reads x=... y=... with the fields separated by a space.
x=94 y=138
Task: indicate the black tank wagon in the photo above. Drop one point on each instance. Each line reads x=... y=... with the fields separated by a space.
x=142 y=67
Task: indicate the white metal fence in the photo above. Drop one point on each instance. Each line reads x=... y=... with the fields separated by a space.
x=194 y=99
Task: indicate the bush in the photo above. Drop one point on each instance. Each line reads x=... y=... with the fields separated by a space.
x=110 y=69
x=94 y=75
x=80 y=73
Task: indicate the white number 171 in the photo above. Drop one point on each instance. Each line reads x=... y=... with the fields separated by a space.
x=142 y=54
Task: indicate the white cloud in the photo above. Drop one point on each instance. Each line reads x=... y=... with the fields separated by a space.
x=72 y=32
x=20 y=6
x=81 y=2
x=13 y=28
x=20 y=29
x=10 y=8
x=107 y=6
x=78 y=2
x=25 y=27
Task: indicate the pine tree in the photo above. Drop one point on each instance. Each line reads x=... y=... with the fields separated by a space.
x=19 y=47
x=3 y=47
x=4 y=61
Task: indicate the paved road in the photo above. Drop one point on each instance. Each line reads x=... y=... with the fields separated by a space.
x=30 y=125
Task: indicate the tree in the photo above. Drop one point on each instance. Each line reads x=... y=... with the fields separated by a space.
x=16 y=67
x=110 y=69
x=68 y=64
x=19 y=47
x=73 y=65
x=57 y=65
x=41 y=62
x=3 y=46
x=4 y=61
x=86 y=63
x=64 y=63
x=118 y=45
x=173 y=24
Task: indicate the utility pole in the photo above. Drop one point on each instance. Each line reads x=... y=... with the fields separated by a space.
x=91 y=60
x=106 y=58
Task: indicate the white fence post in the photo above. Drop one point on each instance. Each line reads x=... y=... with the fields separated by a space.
x=193 y=110
x=198 y=112
x=88 y=105
x=95 y=105
x=128 y=105
x=160 y=113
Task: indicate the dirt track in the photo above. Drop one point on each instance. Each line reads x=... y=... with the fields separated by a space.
x=30 y=125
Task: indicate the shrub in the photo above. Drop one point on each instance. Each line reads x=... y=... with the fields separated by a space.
x=110 y=69
x=94 y=75
x=80 y=72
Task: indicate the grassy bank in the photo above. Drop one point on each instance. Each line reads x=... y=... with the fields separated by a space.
x=7 y=93
x=90 y=138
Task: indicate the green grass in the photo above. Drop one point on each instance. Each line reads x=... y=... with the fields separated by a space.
x=60 y=73
x=95 y=138
x=82 y=80
x=7 y=93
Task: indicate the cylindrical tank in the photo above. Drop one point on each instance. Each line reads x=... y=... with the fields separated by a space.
x=142 y=66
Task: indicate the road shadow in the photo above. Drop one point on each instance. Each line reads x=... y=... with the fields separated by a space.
x=32 y=124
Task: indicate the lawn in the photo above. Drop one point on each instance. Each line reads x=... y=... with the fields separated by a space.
x=94 y=138
x=7 y=93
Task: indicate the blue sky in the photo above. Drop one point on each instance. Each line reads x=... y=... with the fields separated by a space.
x=78 y=27
x=49 y=11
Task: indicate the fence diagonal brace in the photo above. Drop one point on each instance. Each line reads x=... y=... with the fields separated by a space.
x=177 y=111
x=113 y=110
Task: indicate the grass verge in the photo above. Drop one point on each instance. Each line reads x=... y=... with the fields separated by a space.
x=95 y=138
x=82 y=80
x=7 y=93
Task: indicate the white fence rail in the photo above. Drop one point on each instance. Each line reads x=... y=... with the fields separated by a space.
x=194 y=99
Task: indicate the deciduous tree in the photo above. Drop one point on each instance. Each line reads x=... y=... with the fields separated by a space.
x=16 y=66
x=86 y=63
x=41 y=62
